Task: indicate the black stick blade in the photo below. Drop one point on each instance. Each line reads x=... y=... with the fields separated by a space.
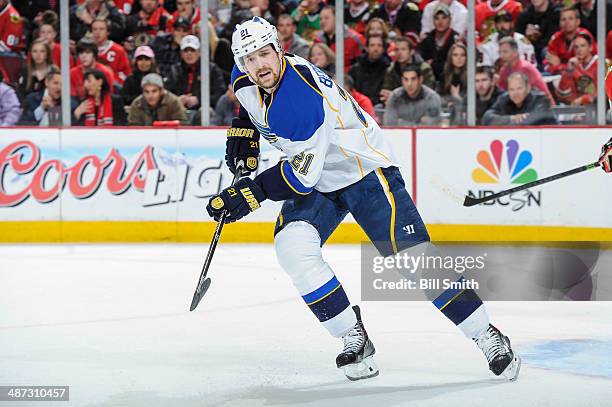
x=197 y=296
x=469 y=201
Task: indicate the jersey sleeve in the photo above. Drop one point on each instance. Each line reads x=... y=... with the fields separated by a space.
x=298 y=174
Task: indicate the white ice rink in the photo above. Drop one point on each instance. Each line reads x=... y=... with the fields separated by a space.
x=112 y=322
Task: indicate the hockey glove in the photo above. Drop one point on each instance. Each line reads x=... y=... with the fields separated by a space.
x=244 y=197
x=242 y=145
x=605 y=158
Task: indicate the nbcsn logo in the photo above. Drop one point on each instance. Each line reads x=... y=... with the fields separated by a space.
x=504 y=167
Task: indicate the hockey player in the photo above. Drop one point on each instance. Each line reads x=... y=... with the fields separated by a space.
x=605 y=158
x=338 y=163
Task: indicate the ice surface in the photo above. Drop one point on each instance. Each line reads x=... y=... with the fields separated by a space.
x=112 y=322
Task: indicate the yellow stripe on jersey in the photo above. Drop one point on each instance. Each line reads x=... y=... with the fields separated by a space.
x=392 y=202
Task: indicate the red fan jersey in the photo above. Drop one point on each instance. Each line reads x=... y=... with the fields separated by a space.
x=115 y=56
x=11 y=30
x=564 y=49
x=195 y=20
x=485 y=14
x=581 y=83
x=77 y=87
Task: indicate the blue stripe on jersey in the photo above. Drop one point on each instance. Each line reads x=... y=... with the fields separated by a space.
x=297 y=110
x=292 y=180
x=322 y=291
x=462 y=306
x=444 y=298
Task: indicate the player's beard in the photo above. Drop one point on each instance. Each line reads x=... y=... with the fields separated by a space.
x=271 y=81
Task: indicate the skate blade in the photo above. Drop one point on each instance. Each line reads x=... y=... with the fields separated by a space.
x=365 y=369
x=512 y=371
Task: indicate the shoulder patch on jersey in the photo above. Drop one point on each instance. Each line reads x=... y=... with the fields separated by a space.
x=239 y=79
x=524 y=40
x=15 y=18
x=412 y=6
x=307 y=75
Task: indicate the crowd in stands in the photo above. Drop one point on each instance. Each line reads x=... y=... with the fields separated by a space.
x=137 y=62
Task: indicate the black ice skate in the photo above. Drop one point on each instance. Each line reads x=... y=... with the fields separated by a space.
x=496 y=348
x=357 y=356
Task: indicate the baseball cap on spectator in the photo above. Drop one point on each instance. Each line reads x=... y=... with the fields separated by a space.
x=152 y=79
x=442 y=8
x=190 y=41
x=503 y=15
x=181 y=22
x=144 y=51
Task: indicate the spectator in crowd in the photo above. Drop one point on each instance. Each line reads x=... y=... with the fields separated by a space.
x=220 y=52
x=87 y=53
x=11 y=28
x=240 y=12
x=144 y=64
x=167 y=47
x=487 y=91
x=454 y=86
x=33 y=9
x=353 y=41
x=32 y=78
x=82 y=15
x=44 y=108
x=49 y=33
x=578 y=85
x=488 y=51
x=10 y=109
x=588 y=15
x=356 y=14
x=459 y=15
x=377 y=26
x=109 y=52
x=307 y=17
x=226 y=109
x=323 y=57
x=184 y=77
x=185 y=9
x=405 y=55
x=560 y=48
x=368 y=72
x=438 y=42
x=155 y=104
x=538 y=23
x=486 y=11
x=291 y=42
x=404 y=16
x=148 y=22
x=362 y=100
x=97 y=108
x=413 y=103
x=511 y=62
x=520 y=105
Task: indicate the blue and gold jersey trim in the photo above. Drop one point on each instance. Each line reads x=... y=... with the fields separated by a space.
x=322 y=292
x=292 y=181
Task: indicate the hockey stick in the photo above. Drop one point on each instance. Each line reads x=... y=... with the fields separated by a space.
x=203 y=282
x=469 y=201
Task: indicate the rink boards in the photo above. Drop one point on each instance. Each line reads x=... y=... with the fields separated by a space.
x=126 y=184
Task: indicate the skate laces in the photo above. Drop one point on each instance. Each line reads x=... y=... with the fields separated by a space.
x=354 y=339
x=491 y=344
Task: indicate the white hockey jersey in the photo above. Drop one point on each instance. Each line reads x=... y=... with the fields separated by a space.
x=330 y=141
x=488 y=51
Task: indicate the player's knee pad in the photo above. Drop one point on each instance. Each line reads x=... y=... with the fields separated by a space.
x=298 y=250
